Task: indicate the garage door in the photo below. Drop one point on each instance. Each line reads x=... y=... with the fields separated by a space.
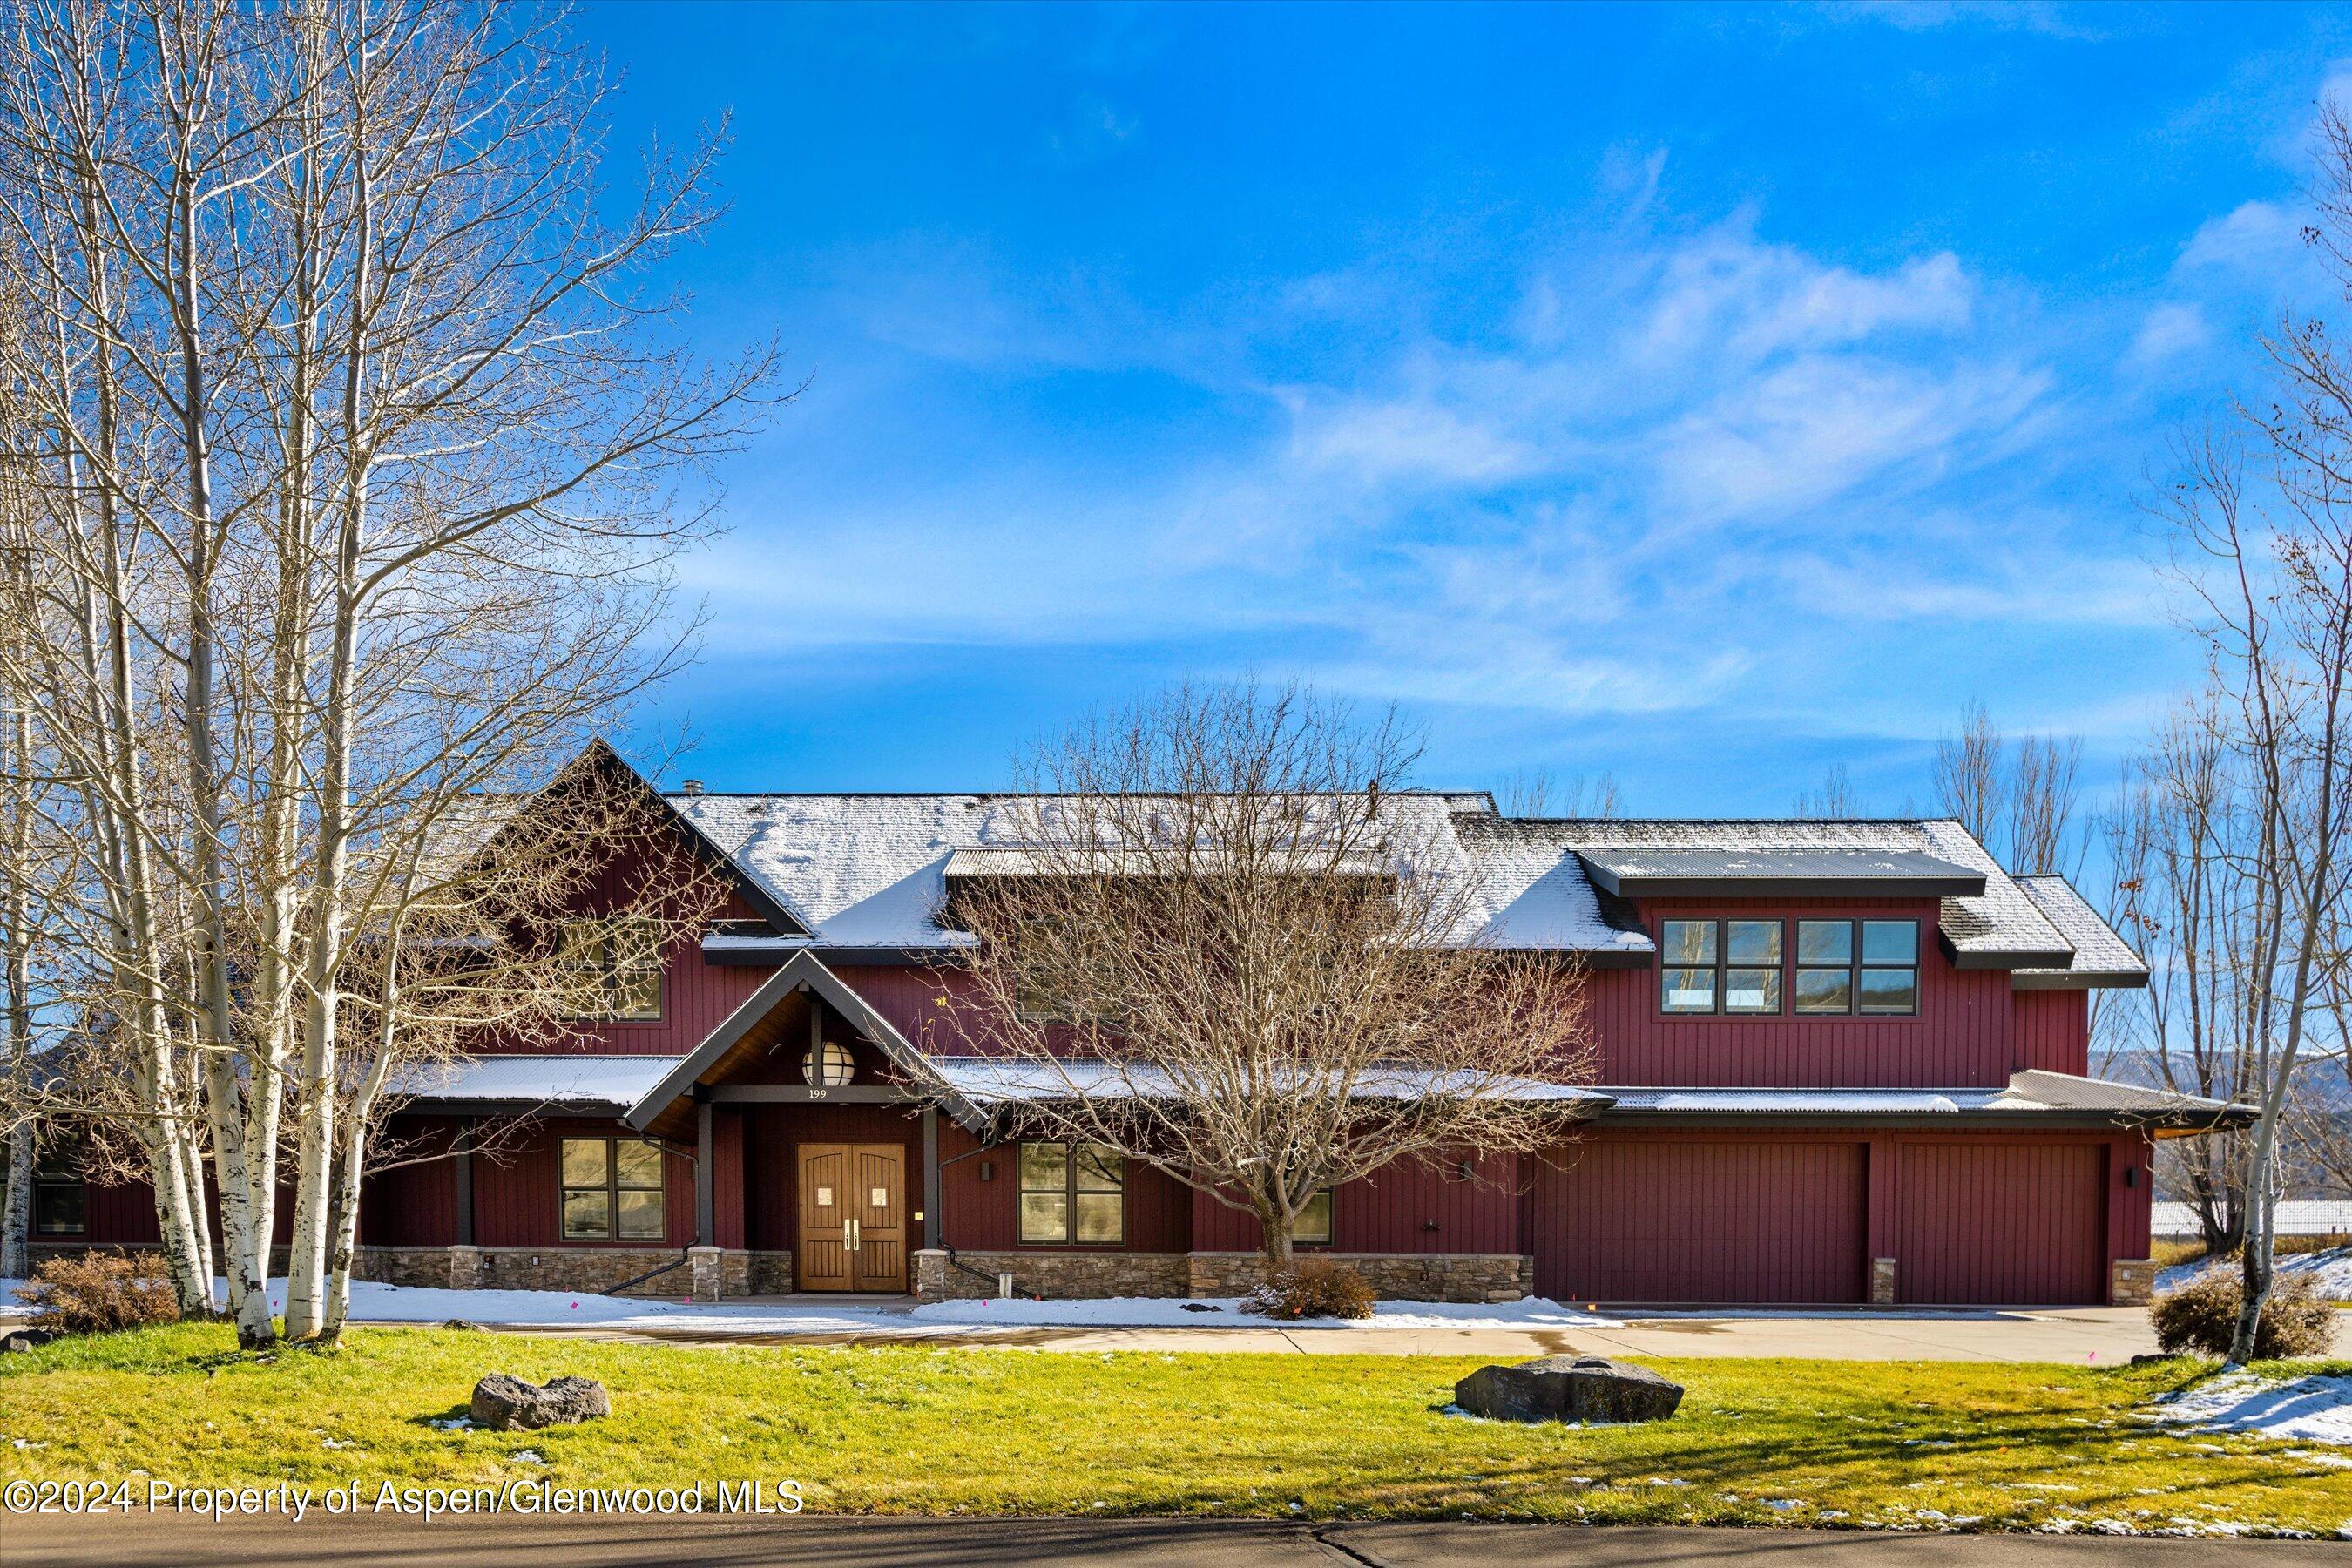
x=1660 y=1220
x=2001 y=1225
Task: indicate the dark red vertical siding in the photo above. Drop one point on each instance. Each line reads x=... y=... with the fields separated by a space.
x=2006 y=1223
x=518 y=1186
x=1409 y=1207
x=1960 y=1037
x=985 y=1214
x=2053 y=1030
x=414 y=1203
x=1667 y=1217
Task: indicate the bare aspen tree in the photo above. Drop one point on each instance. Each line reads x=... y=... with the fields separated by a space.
x=361 y=502
x=1968 y=777
x=1835 y=797
x=2191 y=896
x=2265 y=538
x=1220 y=944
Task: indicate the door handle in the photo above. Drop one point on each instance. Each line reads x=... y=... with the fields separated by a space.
x=853 y=1234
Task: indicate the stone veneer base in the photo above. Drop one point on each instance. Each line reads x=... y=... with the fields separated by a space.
x=1410 y=1276
x=2131 y=1282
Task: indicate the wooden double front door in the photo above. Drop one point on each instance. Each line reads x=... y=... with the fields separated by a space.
x=853 y=1219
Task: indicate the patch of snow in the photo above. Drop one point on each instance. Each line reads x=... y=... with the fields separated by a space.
x=2307 y=1409
x=2330 y=1271
x=528 y=1457
x=1175 y=1312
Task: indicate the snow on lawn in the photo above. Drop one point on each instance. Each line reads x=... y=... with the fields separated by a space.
x=2309 y=1409
x=2330 y=1270
x=1174 y=1312
x=377 y=1303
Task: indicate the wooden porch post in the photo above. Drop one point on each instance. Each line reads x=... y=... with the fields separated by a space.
x=932 y=1177
x=705 y=1149
x=465 y=1155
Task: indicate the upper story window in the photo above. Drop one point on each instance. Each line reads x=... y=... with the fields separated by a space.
x=1858 y=966
x=1719 y=967
x=619 y=971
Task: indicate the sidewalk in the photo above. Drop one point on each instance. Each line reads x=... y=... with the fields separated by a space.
x=2103 y=1336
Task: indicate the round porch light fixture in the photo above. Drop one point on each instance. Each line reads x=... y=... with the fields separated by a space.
x=828 y=1066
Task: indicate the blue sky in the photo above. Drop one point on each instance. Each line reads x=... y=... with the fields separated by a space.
x=1703 y=397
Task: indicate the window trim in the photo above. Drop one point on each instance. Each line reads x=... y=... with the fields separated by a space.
x=1721 y=1006
x=611 y=1188
x=599 y=930
x=1069 y=1193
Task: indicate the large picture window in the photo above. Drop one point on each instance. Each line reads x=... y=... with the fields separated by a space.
x=612 y=1190
x=614 y=964
x=1858 y=966
x=1313 y=1226
x=1719 y=967
x=1073 y=1194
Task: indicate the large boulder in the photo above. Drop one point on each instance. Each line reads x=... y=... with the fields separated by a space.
x=510 y=1405
x=1567 y=1388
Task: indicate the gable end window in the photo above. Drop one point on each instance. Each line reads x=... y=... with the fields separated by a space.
x=1073 y=1194
x=616 y=969
x=1719 y=967
x=1869 y=967
x=612 y=1189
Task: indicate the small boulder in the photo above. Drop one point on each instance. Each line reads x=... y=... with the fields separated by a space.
x=510 y=1405
x=17 y=1341
x=1567 y=1388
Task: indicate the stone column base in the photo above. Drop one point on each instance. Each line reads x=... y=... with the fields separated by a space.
x=1882 y=1281
x=704 y=1263
x=2131 y=1282
x=465 y=1269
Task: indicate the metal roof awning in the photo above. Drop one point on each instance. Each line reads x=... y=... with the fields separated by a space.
x=2028 y=1098
x=520 y=1085
x=1637 y=873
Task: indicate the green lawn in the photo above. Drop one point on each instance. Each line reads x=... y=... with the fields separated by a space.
x=1013 y=1431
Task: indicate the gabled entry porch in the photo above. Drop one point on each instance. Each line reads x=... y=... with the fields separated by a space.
x=815 y=1161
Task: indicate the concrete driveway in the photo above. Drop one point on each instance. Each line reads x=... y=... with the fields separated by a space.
x=2100 y=1336
x=134 y=1543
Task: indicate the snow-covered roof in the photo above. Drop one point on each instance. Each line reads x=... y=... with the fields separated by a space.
x=871 y=871
x=2026 y=1094
x=990 y=1081
x=2102 y=957
x=528 y=1080
x=1805 y=873
x=1533 y=876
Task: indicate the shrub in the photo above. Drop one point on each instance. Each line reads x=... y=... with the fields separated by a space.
x=1312 y=1288
x=2202 y=1315
x=101 y=1291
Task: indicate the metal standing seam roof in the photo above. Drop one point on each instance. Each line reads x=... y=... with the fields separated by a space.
x=1665 y=873
x=985 y=1080
x=2027 y=1094
x=547 y=1080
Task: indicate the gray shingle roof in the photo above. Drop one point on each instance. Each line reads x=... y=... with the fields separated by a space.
x=1524 y=860
x=870 y=870
x=2101 y=955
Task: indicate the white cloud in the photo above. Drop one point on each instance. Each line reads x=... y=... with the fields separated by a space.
x=2168 y=331
x=2260 y=239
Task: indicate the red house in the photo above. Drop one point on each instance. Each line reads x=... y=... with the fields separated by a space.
x=1841 y=1063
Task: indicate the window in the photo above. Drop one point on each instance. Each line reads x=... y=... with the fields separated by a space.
x=615 y=967
x=612 y=1190
x=1072 y=1193
x=1858 y=966
x=1313 y=1226
x=57 y=1195
x=1719 y=967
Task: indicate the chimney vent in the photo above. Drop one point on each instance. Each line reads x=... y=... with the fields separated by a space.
x=692 y=786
